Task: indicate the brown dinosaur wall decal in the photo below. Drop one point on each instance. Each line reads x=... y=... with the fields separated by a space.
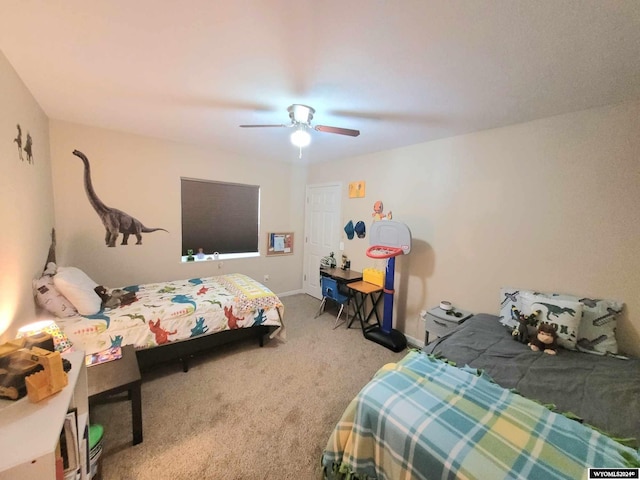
x=115 y=221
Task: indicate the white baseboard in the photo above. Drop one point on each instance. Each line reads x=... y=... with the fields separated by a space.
x=414 y=342
x=287 y=294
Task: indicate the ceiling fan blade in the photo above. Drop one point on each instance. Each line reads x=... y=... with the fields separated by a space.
x=253 y=126
x=341 y=131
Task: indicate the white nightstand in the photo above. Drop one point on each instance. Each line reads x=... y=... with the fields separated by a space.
x=440 y=322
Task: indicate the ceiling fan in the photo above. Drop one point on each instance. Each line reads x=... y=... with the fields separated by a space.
x=301 y=116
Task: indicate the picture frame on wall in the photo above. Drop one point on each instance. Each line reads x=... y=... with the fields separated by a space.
x=357 y=189
x=279 y=243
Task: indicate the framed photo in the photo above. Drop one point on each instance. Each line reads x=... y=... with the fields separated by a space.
x=279 y=243
x=357 y=189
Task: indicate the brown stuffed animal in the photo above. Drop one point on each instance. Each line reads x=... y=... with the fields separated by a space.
x=114 y=299
x=546 y=339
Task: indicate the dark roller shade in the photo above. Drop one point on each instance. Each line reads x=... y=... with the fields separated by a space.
x=219 y=217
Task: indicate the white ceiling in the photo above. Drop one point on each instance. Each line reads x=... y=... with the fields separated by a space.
x=400 y=71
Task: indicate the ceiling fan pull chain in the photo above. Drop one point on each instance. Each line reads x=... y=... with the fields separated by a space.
x=300 y=154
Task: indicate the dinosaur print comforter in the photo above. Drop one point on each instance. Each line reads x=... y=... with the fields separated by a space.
x=178 y=310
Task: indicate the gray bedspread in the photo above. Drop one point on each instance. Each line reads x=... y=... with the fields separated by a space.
x=603 y=391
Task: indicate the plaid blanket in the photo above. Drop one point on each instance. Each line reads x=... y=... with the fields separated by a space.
x=423 y=418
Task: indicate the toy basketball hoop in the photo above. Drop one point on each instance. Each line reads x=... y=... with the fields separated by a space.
x=390 y=236
x=381 y=251
x=388 y=239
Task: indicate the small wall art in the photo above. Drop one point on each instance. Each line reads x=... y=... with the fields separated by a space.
x=357 y=189
x=27 y=148
x=280 y=243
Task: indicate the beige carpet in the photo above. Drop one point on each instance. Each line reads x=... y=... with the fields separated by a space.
x=245 y=412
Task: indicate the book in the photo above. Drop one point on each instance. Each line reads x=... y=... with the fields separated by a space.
x=113 y=353
x=84 y=450
x=59 y=463
x=69 y=446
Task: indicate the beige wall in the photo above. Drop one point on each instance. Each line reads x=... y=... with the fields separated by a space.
x=26 y=201
x=141 y=176
x=551 y=205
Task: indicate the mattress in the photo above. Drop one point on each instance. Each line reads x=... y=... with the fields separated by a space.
x=423 y=418
x=602 y=391
x=178 y=310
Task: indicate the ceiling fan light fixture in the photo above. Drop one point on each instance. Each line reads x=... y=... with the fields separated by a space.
x=301 y=113
x=300 y=138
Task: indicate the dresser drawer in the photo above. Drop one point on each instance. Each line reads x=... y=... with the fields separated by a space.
x=437 y=326
x=438 y=322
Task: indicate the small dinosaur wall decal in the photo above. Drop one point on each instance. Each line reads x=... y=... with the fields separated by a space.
x=18 y=141
x=115 y=221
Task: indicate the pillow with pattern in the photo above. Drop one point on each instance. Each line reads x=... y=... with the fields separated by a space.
x=509 y=298
x=565 y=315
x=49 y=298
x=597 y=332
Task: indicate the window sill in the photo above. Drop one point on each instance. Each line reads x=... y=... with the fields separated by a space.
x=220 y=256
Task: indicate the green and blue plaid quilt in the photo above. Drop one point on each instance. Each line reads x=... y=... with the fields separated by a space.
x=425 y=419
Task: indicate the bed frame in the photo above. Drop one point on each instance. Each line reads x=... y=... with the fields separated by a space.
x=184 y=350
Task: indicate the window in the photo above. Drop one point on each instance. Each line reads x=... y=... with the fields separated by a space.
x=219 y=217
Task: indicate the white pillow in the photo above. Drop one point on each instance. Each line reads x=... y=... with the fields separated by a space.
x=49 y=298
x=510 y=297
x=597 y=332
x=563 y=314
x=74 y=284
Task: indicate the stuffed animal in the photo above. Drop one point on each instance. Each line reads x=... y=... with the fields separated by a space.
x=546 y=339
x=521 y=332
x=115 y=298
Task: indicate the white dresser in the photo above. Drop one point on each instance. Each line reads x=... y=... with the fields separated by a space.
x=29 y=432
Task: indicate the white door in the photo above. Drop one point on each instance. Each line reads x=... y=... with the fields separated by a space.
x=321 y=232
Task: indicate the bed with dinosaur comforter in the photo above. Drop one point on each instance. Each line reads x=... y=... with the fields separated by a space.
x=178 y=318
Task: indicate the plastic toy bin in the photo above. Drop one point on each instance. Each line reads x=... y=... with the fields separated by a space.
x=371 y=275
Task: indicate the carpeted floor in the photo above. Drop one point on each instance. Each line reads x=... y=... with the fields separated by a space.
x=245 y=412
